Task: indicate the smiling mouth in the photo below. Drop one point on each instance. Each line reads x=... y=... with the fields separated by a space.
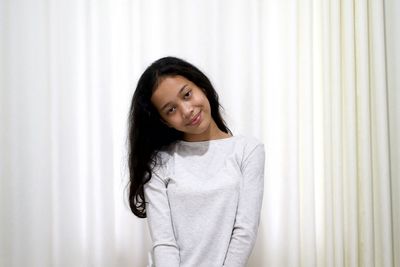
x=195 y=120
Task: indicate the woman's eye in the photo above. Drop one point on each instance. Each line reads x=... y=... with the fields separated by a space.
x=171 y=110
x=188 y=94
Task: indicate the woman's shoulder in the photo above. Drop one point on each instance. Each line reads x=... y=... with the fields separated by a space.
x=247 y=145
x=249 y=141
x=238 y=142
x=251 y=148
x=163 y=156
x=161 y=159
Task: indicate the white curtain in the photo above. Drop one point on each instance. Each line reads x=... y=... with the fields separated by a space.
x=315 y=80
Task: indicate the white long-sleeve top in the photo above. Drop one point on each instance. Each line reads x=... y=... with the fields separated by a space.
x=203 y=203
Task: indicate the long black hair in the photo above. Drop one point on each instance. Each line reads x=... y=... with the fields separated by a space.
x=148 y=134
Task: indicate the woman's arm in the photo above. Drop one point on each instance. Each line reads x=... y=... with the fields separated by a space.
x=165 y=249
x=248 y=214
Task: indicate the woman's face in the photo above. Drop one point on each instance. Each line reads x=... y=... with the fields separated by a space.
x=183 y=106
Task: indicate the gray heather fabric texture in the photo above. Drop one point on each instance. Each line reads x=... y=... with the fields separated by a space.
x=204 y=203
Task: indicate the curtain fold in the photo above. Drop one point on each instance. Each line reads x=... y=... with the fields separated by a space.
x=316 y=81
x=392 y=31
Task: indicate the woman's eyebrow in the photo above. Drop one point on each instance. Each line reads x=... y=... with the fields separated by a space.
x=180 y=91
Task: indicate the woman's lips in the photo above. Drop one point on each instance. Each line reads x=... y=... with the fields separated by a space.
x=196 y=119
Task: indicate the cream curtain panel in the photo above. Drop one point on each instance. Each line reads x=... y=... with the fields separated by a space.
x=315 y=80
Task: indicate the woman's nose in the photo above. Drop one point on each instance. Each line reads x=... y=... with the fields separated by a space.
x=187 y=110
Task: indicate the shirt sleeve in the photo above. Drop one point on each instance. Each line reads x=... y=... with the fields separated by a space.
x=248 y=213
x=165 y=250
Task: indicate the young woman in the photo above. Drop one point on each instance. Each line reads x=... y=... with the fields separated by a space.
x=200 y=187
